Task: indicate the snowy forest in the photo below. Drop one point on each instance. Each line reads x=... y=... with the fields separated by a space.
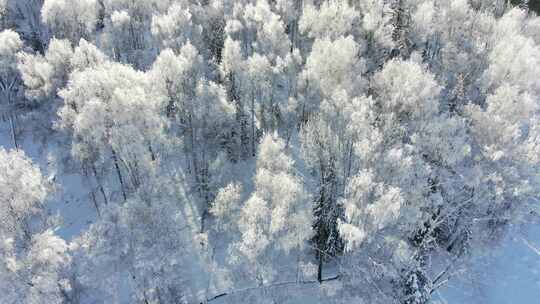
x=263 y=151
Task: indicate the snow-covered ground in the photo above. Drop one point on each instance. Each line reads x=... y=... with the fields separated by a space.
x=509 y=274
x=71 y=199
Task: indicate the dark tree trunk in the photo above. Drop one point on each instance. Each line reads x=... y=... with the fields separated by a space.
x=120 y=179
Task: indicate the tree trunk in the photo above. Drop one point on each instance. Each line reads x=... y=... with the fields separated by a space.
x=192 y=153
x=12 y=124
x=319 y=269
x=253 y=153
x=152 y=154
x=120 y=179
x=95 y=203
x=13 y=131
x=205 y=188
x=100 y=186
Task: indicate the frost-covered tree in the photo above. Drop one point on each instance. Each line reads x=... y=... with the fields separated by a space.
x=376 y=30
x=331 y=65
x=71 y=20
x=38 y=275
x=44 y=75
x=177 y=27
x=127 y=34
x=10 y=44
x=198 y=109
x=114 y=118
x=256 y=51
x=332 y=20
x=446 y=46
x=290 y=13
x=407 y=155
x=226 y=205
x=230 y=71
x=148 y=249
x=328 y=88
x=259 y=29
x=24 y=17
x=23 y=194
x=86 y=55
x=3 y=13
x=327 y=145
x=508 y=153
x=34 y=260
x=277 y=216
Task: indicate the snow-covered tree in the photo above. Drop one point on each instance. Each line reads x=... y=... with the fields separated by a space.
x=226 y=205
x=71 y=20
x=198 y=109
x=38 y=275
x=277 y=216
x=376 y=30
x=44 y=75
x=112 y=115
x=256 y=58
x=10 y=44
x=331 y=65
x=328 y=87
x=3 y=13
x=332 y=20
x=177 y=27
x=508 y=152
x=127 y=34
x=24 y=17
x=87 y=55
x=407 y=154
x=147 y=248
x=23 y=194
x=33 y=259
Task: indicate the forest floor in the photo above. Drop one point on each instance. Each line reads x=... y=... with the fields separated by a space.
x=508 y=274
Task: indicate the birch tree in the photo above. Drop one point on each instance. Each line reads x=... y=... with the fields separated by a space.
x=34 y=260
x=10 y=79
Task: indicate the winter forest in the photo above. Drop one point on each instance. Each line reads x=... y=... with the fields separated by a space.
x=262 y=151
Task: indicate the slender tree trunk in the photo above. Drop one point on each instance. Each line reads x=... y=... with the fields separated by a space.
x=193 y=153
x=152 y=154
x=95 y=203
x=204 y=215
x=205 y=180
x=320 y=268
x=100 y=186
x=120 y=179
x=252 y=125
x=12 y=124
x=298 y=267
x=350 y=147
x=13 y=131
